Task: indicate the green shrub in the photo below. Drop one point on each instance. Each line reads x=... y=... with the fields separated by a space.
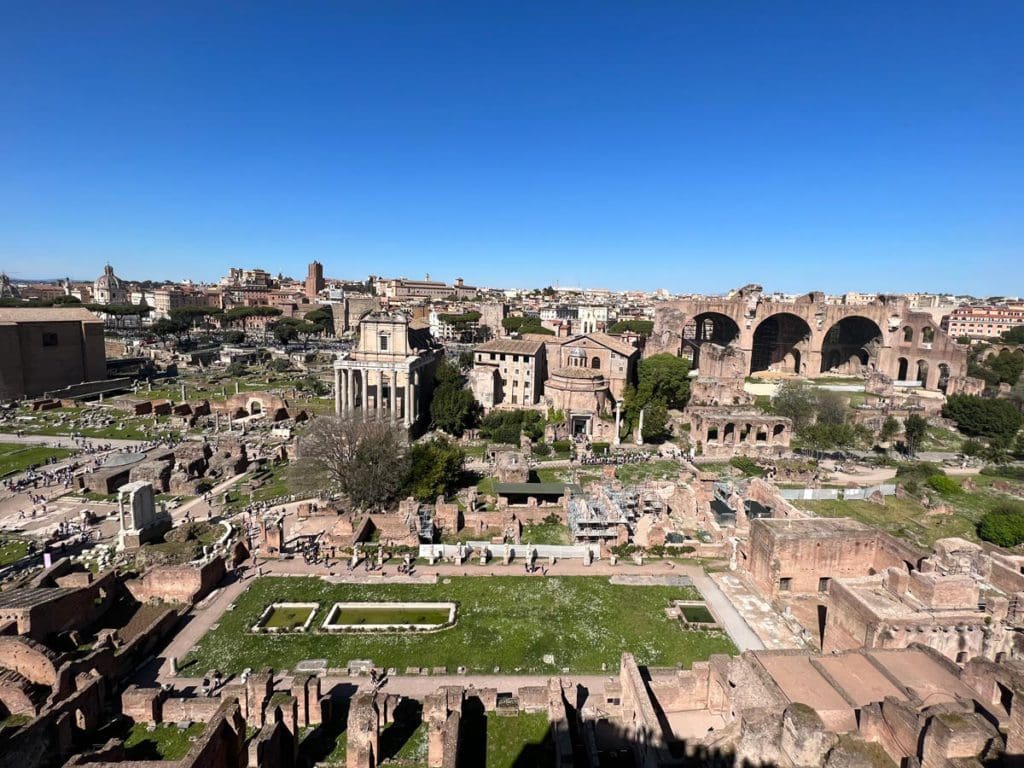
x=747 y=466
x=972 y=447
x=1004 y=470
x=542 y=449
x=947 y=486
x=600 y=448
x=982 y=416
x=918 y=471
x=507 y=426
x=1003 y=525
x=561 y=446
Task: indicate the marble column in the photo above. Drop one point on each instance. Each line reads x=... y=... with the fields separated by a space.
x=362 y=378
x=393 y=395
x=407 y=405
x=337 y=392
x=618 y=422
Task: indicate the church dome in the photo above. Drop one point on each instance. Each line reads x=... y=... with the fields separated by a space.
x=108 y=279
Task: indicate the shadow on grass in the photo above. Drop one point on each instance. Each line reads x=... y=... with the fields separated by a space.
x=408 y=717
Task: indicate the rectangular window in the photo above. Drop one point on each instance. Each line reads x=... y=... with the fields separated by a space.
x=785 y=584
x=383 y=342
x=49 y=339
x=823 y=583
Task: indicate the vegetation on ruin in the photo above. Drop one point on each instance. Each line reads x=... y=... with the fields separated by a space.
x=504 y=622
x=520 y=740
x=551 y=530
x=909 y=519
x=747 y=466
x=507 y=426
x=160 y=742
x=658 y=469
x=17 y=457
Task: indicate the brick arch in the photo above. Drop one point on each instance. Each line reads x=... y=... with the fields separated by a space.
x=780 y=339
x=29 y=659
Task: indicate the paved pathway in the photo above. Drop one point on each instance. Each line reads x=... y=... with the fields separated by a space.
x=771 y=630
x=66 y=441
x=722 y=609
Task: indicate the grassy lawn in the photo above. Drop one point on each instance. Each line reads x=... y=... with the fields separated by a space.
x=519 y=740
x=631 y=474
x=508 y=622
x=165 y=742
x=12 y=550
x=17 y=457
x=939 y=439
x=550 y=531
x=908 y=519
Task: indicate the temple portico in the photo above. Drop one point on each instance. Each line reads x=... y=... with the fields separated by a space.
x=388 y=375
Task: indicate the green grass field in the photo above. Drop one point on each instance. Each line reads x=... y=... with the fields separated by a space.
x=164 y=742
x=552 y=531
x=909 y=519
x=12 y=550
x=507 y=622
x=17 y=457
x=662 y=469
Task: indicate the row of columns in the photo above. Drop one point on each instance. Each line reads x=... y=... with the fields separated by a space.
x=351 y=391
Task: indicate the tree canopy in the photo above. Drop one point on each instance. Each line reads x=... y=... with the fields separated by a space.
x=367 y=461
x=507 y=426
x=527 y=324
x=985 y=417
x=435 y=469
x=452 y=408
x=1005 y=367
x=1003 y=525
x=640 y=327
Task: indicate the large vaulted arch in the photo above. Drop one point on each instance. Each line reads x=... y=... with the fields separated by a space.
x=706 y=327
x=781 y=343
x=851 y=345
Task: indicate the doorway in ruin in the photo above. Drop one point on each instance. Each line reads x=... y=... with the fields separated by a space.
x=780 y=344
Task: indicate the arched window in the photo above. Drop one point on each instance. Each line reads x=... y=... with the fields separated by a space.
x=928 y=335
x=908 y=334
x=595 y=362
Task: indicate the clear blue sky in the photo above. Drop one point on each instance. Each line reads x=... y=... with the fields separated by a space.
x=692 y=145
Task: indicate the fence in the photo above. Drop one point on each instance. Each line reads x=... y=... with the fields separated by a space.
x=518 y=551
x=837 y=494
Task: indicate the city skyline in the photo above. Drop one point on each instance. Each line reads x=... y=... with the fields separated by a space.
x=803 y=147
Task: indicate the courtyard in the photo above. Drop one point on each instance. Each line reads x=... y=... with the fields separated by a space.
x=511 y=624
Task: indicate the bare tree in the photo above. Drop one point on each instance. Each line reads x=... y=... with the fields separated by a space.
x=365 y=460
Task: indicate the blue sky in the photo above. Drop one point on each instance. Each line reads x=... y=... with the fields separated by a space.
x=690 y=145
